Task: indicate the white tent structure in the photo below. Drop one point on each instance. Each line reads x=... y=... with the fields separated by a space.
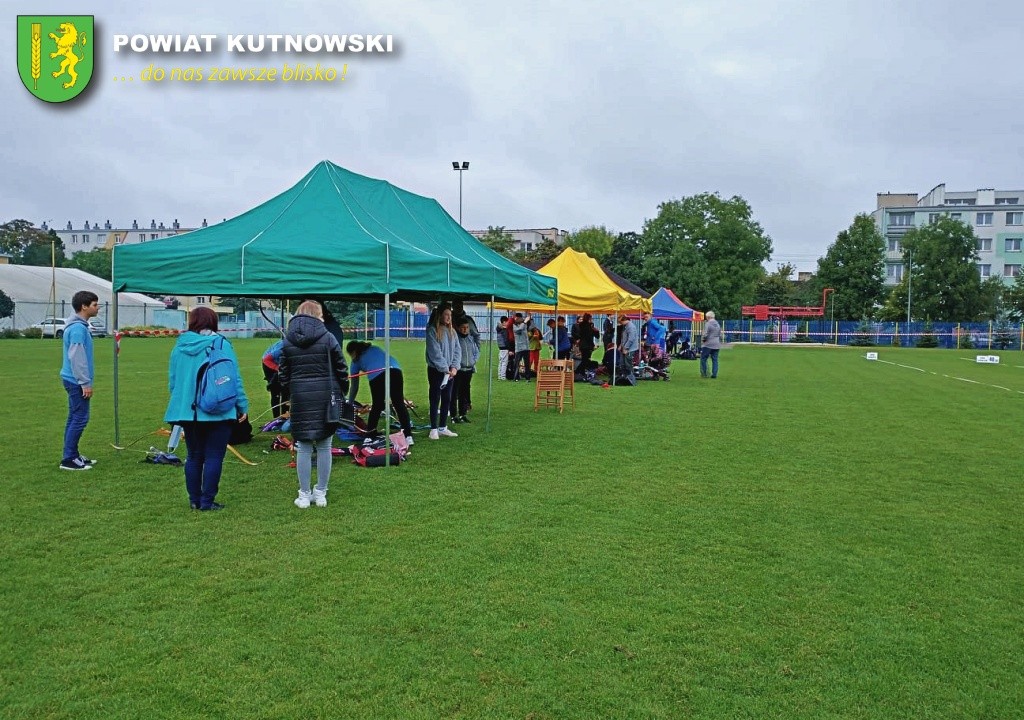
x=29 y=287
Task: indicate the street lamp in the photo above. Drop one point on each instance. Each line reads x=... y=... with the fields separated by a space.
x=460 y=167
x=910 y=277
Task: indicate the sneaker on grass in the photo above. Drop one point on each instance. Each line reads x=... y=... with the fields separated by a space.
x=86 y=460
x=445 y=432
x=434 y=435
x=74 y=464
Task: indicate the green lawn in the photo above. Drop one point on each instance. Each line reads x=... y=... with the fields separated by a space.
x=812 y=535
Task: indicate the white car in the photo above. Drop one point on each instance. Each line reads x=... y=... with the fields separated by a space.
x=52 y=327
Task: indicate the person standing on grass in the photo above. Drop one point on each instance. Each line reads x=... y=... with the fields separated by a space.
x=312 y=371
x=271 y=366
x=654 y=331
x=206 y=435
x=77 y=373
x=520 y=330
x=629 y=342
x=444 y=357
x=710 y=343
x=501 y=339
x=371 y=360
x=470 y=354
x=584 y=337
x=536 y=343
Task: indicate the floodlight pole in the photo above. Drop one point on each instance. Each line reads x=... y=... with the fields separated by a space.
x=910 y=277
x=460 y=167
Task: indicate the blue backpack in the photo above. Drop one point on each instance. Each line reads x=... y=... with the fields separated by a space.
x=216 y=382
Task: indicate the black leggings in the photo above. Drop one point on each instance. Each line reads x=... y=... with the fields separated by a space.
x=440 y=397
x=397 y=400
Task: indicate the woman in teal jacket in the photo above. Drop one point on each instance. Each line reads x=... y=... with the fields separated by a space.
x=206 y=435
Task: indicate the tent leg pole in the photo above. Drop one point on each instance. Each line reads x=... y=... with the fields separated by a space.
x=113 y=329
x=387 y=377
x=490 y=365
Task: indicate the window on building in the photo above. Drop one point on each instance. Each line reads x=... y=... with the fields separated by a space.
x=85 y=238
x=956 y=216
x=985 y=271
x=960 y=201
x=200 y=299
x=933 y=217
x=983 y=219
x=153 y=236
x=101 y=238
x=903 y=219
x=1015 y=218
x=894 y=245
x=142 y=237
x=1012 y=244
x=1008 y=201
x=1011 y=270
x=894 y=272
x=984 y=244
x=74 y=239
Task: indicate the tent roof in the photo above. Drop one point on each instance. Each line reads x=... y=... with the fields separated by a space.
x=31 y=284
x=666 y=306
x=335 y=234
x=584 y=287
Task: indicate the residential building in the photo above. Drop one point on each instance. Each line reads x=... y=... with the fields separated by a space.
x=995 y=216
x=527 y=240
x=87 y=236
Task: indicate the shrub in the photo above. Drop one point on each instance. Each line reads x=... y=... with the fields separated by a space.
x=1003 y=335
x=964 y=342
x=32 y=333
x=9 y=334
x=927 y=339
x=864 y=335
x=266 y=334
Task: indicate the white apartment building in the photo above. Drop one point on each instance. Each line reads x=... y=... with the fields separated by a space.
x=527 y=240
x=996 y=216
x=87 y=236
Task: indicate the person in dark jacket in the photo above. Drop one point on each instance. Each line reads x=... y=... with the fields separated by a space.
x=206 y=435
x=271 y=365
x=584 y=336
x=313 y=372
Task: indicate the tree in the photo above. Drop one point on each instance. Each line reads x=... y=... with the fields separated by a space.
x=95 y=262
x=1013 y=299
x=776 y=288
x=625 y=258
x=708 y=248
x=28 y=245
x=595 y=241
x=853 y=267
x=498 y=240
x=945 y=283
x=895 y=307
x=544 y=253
x=6 y=305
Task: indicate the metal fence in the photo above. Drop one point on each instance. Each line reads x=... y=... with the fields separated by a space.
x=981 y=336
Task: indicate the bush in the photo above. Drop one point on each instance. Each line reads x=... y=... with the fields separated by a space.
x=10 y=334
x=964 y=342
x=801 y=336
x=1003 y=336
x=927 y=338
x=864 y=335
x=32 y=333
x=266 y=334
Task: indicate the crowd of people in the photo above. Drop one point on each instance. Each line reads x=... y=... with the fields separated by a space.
x=310 y=382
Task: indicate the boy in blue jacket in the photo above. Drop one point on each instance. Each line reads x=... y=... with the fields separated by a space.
x=76 y=373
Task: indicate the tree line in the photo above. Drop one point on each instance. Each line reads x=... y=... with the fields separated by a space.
x=711 y=252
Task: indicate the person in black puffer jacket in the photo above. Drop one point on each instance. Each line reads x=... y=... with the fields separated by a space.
x=312 y=369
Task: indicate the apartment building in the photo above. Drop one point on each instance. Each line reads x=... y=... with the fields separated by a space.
x=87 y=236
x=995 y=216
x=530 y=239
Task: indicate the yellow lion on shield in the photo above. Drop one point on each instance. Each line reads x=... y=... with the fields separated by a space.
x=66 y=42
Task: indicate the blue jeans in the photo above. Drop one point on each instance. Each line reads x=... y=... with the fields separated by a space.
x=704 y=353
x=78 y=418
x=207 y=442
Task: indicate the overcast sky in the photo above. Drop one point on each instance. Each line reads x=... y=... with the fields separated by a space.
x=570 y=113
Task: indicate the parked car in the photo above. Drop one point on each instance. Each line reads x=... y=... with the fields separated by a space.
x=52 y=327
x=97 y=328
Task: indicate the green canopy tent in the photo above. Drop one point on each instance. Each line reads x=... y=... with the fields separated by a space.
x=333 y=235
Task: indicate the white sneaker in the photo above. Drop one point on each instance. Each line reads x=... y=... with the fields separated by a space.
x=434 y=435
x=302 y=501
x=320 y=497
x=445 y=432
x=409 y=440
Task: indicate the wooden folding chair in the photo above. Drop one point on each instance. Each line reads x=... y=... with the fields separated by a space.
x=570 y=381
x=550 y=385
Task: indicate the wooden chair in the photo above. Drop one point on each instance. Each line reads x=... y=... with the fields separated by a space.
x=550 y=385
x=570 y=381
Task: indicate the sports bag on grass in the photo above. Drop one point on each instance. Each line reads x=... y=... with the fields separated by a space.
x=216 y=381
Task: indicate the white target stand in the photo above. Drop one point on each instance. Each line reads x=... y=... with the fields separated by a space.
x=871 y=356
x=987 y=359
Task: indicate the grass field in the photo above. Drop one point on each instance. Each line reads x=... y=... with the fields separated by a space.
x=812 y=535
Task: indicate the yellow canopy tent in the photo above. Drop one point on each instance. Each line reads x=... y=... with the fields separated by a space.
x=583 y=287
